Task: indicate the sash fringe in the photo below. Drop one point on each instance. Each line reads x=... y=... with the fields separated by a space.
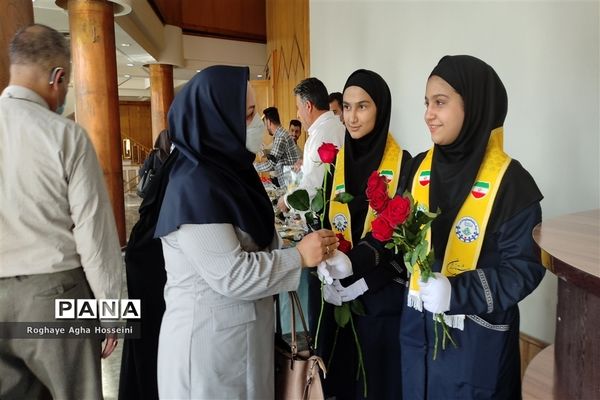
x=455 y=321
x=414 y=301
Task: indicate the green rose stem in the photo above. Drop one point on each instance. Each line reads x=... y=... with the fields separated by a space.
x=361 y=362
x=322 y=216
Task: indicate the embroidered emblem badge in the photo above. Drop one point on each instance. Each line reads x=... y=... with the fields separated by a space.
x=340 y=222
x=467 y=230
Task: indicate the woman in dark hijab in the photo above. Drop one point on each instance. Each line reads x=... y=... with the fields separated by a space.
x=158 y=155
x=221 y=251
x=486 y=261
x=379 y=285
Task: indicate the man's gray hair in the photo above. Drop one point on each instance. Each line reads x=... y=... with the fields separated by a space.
x=40 y=45
x=313 y=90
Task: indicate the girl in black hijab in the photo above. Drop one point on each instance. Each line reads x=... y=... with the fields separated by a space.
x=221 y=251
x=368 y=147
x=486 y=261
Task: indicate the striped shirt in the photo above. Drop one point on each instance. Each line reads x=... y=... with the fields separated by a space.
x=284 y=152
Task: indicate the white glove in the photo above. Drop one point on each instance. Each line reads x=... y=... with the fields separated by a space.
x=436 y=293
x=351 y=292
x=323 y=273
x=339 y=265
x=331 y=295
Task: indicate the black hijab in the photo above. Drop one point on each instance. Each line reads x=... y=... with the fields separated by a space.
x=455 y=166
x=213 y=179
x=363 y=156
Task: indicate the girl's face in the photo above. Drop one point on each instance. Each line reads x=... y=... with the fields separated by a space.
x=360 y=112
x=444 y=111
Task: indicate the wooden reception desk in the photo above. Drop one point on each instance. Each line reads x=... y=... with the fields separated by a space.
x=570 y=369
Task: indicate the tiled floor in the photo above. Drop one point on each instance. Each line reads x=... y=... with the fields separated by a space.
x=112 y=365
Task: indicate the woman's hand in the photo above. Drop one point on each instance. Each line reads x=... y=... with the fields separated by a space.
x=317 y=246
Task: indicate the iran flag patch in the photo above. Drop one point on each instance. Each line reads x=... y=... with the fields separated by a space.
x=424 y=178
x=480 y=189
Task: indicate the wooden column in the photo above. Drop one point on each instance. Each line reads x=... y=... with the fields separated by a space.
x=288 y=46
x=161 y=97
x=15 y=14
x=96 y=95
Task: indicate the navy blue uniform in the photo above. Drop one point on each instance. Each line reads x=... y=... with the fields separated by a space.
x=486 y=363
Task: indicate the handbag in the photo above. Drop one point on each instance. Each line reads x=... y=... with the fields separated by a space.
x=144 y=183
x=151 y=166
x=297 y=368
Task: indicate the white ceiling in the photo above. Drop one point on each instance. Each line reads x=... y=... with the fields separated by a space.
x=132 y=55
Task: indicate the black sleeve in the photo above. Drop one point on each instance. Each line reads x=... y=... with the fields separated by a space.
x=376 y=264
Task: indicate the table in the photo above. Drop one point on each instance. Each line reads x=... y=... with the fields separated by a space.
x=571 y=368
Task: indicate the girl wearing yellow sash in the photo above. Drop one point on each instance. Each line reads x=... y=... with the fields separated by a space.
x=368 y=146
x=486 y=261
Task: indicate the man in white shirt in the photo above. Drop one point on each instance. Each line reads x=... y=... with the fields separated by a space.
x=58 y=238
x=312 y=102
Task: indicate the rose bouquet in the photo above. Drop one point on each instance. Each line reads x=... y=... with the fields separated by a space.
x=404 y=226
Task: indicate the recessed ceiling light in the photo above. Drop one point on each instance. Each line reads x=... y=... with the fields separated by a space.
x=127 y=76
x=130 y=64
x=198 y=70
x=125 y=44
x=259 y=76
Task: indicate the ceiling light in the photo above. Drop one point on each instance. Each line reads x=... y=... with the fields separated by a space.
x=259 y=76
x=198 y=70
x=125 y=44
x=130 y=64
x=127 y=76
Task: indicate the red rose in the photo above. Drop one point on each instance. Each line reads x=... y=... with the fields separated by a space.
x=379 y=201
x=375 y=184
x=381 y=229
x=377 y=191
x=327 y=152
x=344 y=245
x=397 y=210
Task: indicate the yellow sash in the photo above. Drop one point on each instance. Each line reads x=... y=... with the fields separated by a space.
x=339 y=213
x=466 y=238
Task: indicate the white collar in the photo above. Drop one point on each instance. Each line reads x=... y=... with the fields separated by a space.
x=326 y=116
x=23 y=93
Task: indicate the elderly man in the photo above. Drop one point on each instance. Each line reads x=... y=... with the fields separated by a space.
x=58 y=238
